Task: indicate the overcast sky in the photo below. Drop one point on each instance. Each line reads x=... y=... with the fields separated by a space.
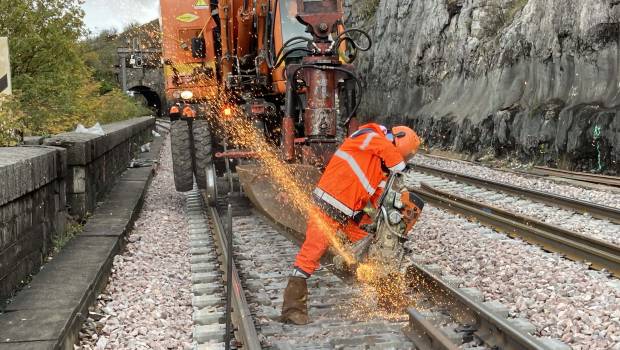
x=105 y=14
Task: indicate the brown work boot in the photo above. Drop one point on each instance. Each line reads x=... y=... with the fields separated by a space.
x=295 y=308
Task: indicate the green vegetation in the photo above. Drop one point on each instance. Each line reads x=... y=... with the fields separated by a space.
x=58 y=80
x=11 y=121
x=100 y=55
x=517 y=6
x=73 y=229
x=367 y=8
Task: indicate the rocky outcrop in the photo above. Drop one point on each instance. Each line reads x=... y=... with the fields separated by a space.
x=535 y=79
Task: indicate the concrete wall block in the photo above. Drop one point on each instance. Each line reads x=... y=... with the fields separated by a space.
x=25 y=169
x=77 y=204
x=18 y=272
x=61 y=190
x=79 y=146
x=41 y=185
x=30 y=242
x=95 y=183
x=78 y=179
x=4 y=235
x=83 y=148
x=4 y=185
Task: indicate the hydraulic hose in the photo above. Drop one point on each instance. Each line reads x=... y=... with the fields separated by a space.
x=285 y=56
x=293 y=40
x=341 y=38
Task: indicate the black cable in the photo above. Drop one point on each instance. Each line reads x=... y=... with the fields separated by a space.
x=285 y=56
x=340 y=39
x=299 y=39
x=358 y=82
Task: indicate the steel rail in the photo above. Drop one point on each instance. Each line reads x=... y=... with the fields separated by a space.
x=424 y=334
x=600 y=254
x=595 y=210
x=242 y=317
x=163 y=124
x=573 y=175
x=495 y=330
x=491 y=328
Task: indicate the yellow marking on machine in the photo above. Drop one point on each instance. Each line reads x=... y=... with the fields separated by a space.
x=187 y=17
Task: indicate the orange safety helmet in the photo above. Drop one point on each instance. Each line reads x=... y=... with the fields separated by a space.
x=188 y=112
x=406 y=140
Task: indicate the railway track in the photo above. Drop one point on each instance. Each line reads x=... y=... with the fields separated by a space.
x=209 y=256
x=344 y=315
x=602 y=255
x=599 y=253
x=598 y=179
x=580 y=178
x=593 y=209
x=163 y=124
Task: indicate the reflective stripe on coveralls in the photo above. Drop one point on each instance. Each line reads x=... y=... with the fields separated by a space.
x=322 y=195
x=367 y=141
x=356 y=170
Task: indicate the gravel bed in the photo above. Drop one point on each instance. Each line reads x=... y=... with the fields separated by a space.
x=579 y=223
x=562 y=298
x=148 y=301
x=597 y=196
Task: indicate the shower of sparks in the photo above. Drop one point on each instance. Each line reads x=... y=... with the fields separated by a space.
x=385 y=292
x=241 y=131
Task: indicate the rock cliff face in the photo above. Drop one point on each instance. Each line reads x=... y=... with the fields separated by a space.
x=535 y=79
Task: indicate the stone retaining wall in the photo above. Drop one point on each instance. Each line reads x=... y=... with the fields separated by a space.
x=95 y=162
x=41 y=184
x=32 y=209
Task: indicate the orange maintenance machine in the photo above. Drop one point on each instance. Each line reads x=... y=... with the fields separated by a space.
x=190 y=63
x=286 y=64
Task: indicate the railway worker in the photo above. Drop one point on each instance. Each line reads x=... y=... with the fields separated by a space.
x=351 y=180
x=189 y=112
x=175 y=111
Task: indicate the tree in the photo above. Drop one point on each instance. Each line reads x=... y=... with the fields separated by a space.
x=46 y=61
x=53 y=83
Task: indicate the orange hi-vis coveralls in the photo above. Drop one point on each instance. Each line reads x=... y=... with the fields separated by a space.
x=353 y=178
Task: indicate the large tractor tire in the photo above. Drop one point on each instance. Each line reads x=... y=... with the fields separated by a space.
x=181 y=144
x=203 y=152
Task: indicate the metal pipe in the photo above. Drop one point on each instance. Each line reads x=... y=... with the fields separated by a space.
x=262 y=8
x=288 y=124
x=237 y=154
x=225 y=41
x=288 y=138
x=245 y=21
